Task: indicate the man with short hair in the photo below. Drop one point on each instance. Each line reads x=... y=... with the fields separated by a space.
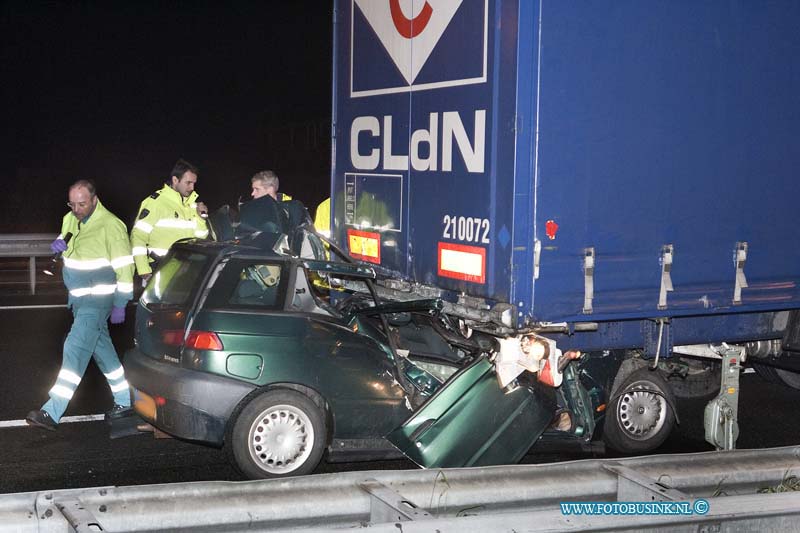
x=264 y=212
x=98 y=273
x=265 y=183
x=167 y=215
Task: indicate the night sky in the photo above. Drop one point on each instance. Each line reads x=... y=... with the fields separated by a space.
x=117 y=91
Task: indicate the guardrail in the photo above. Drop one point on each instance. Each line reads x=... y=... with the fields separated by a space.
x=30 y=245
x=720 y=491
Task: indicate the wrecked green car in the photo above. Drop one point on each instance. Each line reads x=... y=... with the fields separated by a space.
x=282 y=359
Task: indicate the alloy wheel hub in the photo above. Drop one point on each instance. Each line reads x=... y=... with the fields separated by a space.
x=641 y=413
x=281 y=439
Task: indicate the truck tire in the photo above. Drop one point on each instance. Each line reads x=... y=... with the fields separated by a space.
x=640 y=415
x=277 y=434
x=788 y=378
x=766 y=372
x=701 y=382
x=778 y=375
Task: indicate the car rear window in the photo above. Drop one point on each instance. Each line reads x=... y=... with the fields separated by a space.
x=176 y=281
x=259 y=284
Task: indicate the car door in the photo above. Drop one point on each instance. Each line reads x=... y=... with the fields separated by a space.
x=472 y=421
x=277 y=333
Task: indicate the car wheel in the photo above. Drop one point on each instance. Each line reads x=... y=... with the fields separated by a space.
x=278 y=433
x=640 y=416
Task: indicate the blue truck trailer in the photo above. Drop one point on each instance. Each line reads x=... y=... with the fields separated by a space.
x=615 y=181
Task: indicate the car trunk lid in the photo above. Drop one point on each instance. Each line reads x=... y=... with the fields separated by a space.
x=167 y=302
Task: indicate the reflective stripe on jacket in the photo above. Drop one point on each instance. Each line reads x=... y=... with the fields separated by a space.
x=98 y=265
x=164 y=217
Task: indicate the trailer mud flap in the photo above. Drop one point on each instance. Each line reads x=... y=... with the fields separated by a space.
x=471 y=421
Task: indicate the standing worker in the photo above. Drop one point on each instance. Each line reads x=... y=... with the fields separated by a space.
x=98 y=273
x=322 y=218
x=166 y=216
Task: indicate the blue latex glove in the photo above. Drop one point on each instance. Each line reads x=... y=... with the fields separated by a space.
x=58 y=246
x=117 y=315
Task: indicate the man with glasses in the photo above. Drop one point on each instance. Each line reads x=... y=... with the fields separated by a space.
x=98 y=273
x=167 y=215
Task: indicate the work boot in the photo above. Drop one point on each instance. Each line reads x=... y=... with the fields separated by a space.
x=118 y=411
x=41 y=419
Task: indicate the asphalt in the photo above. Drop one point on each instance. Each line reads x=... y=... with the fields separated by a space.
x=82 y=454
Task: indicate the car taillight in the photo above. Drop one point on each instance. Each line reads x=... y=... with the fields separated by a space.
x=203 y=340
x=173 y=337
x=198 y=340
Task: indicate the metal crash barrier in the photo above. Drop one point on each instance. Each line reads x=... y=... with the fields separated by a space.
x=729 y=485
x=30 y=245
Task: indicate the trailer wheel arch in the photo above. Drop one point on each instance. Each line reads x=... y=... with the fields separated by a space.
x=629 y=365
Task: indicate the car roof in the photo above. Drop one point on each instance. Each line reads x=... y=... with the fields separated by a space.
x=235 y=248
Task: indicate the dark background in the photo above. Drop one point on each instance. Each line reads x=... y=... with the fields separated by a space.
x=117 y=91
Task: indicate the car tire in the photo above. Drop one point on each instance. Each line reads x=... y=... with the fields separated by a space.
x=279 y=433
x=640 y=415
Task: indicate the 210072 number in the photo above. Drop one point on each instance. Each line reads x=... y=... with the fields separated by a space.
x=466 y=229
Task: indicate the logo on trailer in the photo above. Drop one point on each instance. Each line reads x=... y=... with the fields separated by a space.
x=410 y=45
x=410 y=28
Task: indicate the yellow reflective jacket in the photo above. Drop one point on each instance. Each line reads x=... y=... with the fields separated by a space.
x=98 y=266
x=164 y=217
x=322 y=218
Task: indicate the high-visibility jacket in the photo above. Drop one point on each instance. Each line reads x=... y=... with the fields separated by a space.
x=322 y=218
x=164 y=217
x=98 y=265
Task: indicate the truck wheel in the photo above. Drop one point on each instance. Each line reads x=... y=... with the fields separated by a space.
x=788 y=378
x=778 y=375
x=701 y=381
x=279 y=433
x=640 y=415
x=766 y=372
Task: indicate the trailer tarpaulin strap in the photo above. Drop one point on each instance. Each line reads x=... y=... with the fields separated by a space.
x=588 y=280
x=666 y=278
x=740 y=258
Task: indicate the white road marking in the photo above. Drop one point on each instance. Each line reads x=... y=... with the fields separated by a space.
x=18 y=307
x=64 y=420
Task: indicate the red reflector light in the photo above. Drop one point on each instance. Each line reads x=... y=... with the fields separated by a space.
x=199 y=340
x=203 y=340
x=173 y=337
x=160 y=400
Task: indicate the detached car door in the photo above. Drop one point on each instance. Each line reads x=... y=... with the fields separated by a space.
x=472 y=421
